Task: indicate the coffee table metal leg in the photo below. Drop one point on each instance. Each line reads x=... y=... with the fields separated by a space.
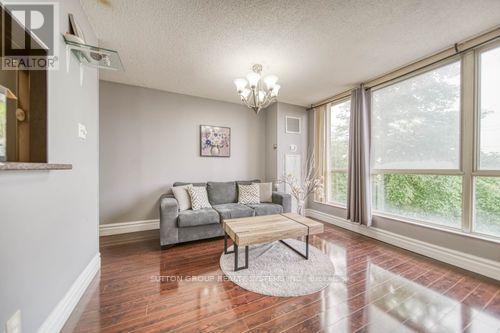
x=246 y=256
x=307 y=247
x=235 y=257
x=236 y=267
x=225 y=245
x=306 y=255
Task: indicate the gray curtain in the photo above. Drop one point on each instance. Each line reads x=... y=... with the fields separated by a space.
x=359 y=184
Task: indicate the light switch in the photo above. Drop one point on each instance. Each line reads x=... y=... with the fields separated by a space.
x=13 y=325
x=82 y=131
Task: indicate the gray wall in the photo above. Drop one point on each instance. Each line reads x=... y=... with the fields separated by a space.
x=474 y=246
x=276 y=134
x=150 y=139
x=49 y=219
x=287 y=139
x=271 y=140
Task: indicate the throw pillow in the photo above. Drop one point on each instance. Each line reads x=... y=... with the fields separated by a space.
x=266 y=191
x=182 y=196
x=199 y=197
x=248 y=194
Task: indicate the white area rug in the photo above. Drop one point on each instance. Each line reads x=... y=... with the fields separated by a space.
x=276 y=270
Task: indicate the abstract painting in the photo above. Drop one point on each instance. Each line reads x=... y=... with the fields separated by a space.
x=215 y=141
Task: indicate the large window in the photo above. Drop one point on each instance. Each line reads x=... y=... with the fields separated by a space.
x=430 y=198
x=416 y=147
x=489 y=110
x=487 y=180
x=435 y=145
x=487 y=208
x=338 y=152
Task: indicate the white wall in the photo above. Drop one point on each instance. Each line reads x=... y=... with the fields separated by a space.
x=49 y=219
x=150 y=139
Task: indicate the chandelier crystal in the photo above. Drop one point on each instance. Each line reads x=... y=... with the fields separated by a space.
x=256 y=93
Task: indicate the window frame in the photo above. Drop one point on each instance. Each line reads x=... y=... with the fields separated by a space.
x=469 y=145
x=469 y=154
x=437 y=172
x=328 y=140
x=476 y=171
x=477 y=111
x=444 y=172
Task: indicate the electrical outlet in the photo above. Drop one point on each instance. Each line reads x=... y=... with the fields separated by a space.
x=13 y=325
x=82 y=131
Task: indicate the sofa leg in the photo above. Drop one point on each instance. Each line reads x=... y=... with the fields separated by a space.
x=166 y=247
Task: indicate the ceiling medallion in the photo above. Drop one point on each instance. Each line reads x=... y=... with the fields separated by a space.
x=252 y=91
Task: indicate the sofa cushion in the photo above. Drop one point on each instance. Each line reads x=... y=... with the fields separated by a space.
x=192 y=218
x=248 y=194
x=233 y=211
x=194 y=184
x=222 y=192
x=266 y=209
x=182 y=196
x=265 y=192
x=247 y=182
x=199 y=197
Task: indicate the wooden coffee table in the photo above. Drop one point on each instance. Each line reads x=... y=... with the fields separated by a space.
x=265 y=229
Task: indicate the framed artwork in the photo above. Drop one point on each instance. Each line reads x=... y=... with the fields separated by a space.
x=215 y=141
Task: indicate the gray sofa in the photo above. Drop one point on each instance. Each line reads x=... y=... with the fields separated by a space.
x=178 y=227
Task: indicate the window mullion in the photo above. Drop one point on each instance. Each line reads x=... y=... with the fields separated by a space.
x=467 y=138
x=327 y=175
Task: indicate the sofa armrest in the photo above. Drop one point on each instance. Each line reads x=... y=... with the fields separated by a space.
x=169 y=211
x=283 y=199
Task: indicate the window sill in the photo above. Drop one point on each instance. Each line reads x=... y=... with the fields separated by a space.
x=451 y=230
x=17 y=166
x=331 y=204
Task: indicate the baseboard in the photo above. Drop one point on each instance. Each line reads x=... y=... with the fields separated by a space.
x=56 y=320
x=463 y=260
x=126 y=227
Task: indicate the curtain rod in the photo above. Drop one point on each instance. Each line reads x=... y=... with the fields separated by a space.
x=455 y=49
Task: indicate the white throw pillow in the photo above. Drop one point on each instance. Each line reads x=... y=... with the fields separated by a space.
x=248 y=194
x=199 y=197
x=182 y=196
x=266 y=191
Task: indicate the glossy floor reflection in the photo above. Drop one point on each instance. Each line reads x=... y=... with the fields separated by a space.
x=378 y=288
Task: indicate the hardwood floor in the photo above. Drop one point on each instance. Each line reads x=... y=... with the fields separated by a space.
x=378 y=288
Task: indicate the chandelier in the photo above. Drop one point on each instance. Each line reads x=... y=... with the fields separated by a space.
x=252 y=91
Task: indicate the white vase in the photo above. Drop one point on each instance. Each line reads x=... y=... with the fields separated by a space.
x=215 y=151
x=301 y=207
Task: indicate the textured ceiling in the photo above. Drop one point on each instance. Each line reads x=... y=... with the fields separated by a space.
x=317 y=48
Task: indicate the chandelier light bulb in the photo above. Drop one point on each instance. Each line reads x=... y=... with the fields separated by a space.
x=253 y=79
x=275 y=90
x=245 y=93
x=262 y=96
x=240 y=84
x=270 y=81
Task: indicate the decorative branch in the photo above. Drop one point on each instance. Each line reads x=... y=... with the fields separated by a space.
x=311 y=183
